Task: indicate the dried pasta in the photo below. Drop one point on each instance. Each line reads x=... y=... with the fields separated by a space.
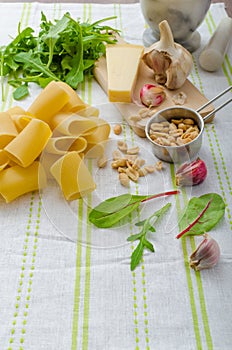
x=49 y=102
x=4 y=160
x=74 y=125
x=8 y=129
x=16 y=180
x=63 y=144
x=29 y=143
x=74 y=103
x=52 y=139
x=73 y=176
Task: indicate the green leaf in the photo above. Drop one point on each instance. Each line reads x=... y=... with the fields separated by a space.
x=112 y=210
x=21 y=92
x=136 y=256
x=134 y=237
x=201 y=214
x=63 y=51
x=51 y=37
x=30 y=61
x=141 y=236
x=148 y=245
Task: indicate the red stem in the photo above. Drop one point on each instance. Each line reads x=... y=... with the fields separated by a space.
x=195 y=221
x=168 y=193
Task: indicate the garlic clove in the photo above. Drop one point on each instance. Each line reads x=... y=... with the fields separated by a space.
x=190 y=174
x=170 y=61
x=206 y=255
x=152 y=95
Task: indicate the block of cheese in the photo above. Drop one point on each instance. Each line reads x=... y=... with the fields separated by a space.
x=122 y=68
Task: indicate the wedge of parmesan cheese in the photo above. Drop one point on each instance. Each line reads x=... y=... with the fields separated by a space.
x=122 y=69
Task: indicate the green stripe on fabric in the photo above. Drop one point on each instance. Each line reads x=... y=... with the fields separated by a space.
x=200 y=289
x=85 y=337
x=133 y=274
x=22 y=274
x=187 y=268
x=77 y=277
x=143 y=273
x=87 y=274
x=28 y=227
x=31 y=274
x=77 y=285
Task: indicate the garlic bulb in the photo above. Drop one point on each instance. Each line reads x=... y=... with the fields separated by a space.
x=170 y=61
x=206 y=254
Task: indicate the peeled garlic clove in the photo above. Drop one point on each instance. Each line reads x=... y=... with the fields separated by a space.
x=206 y=255
x=170 y=61
x=152 y=95
x=190 y=174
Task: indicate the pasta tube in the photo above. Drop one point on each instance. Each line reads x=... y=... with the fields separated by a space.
x=73 y=124
x=16 y=181
x=73 y=176
x=8 y=130
x=63 y=144
x=101 y=133
x=29 y=143
x=4 y=160
x=49 y=102
x=75 y=103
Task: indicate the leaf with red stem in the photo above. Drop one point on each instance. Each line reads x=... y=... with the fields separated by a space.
x=112 y=210
x=201 y=215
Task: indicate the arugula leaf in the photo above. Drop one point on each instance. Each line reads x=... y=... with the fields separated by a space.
x=137 y=254
x=112 y=210
x=201 y=214
x=30 y=61
x=51 y=37
x=21 y=92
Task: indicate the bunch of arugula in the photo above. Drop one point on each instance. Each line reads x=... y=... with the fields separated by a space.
x=65 y=50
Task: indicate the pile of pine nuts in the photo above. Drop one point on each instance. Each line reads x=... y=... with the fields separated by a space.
x=178 y=132
x=128 y=164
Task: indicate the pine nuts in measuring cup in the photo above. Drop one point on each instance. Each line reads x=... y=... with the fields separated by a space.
x=175 y=133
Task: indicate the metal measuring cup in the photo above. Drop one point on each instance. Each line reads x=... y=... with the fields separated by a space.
x=183 y=153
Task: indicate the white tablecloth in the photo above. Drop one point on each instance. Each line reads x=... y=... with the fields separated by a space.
x=67 y=285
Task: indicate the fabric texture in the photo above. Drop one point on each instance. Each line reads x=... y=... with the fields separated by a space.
x=66 y=284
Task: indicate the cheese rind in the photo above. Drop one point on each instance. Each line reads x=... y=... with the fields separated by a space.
x=122 y=70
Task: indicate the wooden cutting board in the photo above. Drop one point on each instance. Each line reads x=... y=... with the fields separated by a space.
x=145 y=76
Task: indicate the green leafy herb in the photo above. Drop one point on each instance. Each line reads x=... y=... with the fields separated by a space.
x=65 y=50
x=112 y=210
x=147 y=225
x=201 y=214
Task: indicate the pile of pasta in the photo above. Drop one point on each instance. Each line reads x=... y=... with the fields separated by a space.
x=51 y=139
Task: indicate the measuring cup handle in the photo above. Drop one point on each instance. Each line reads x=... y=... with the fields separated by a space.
x=214 y=99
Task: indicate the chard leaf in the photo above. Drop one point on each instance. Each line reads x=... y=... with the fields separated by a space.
x=112 y=210
x=201 y=214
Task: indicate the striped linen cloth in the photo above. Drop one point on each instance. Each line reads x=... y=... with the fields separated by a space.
x=66 y=285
